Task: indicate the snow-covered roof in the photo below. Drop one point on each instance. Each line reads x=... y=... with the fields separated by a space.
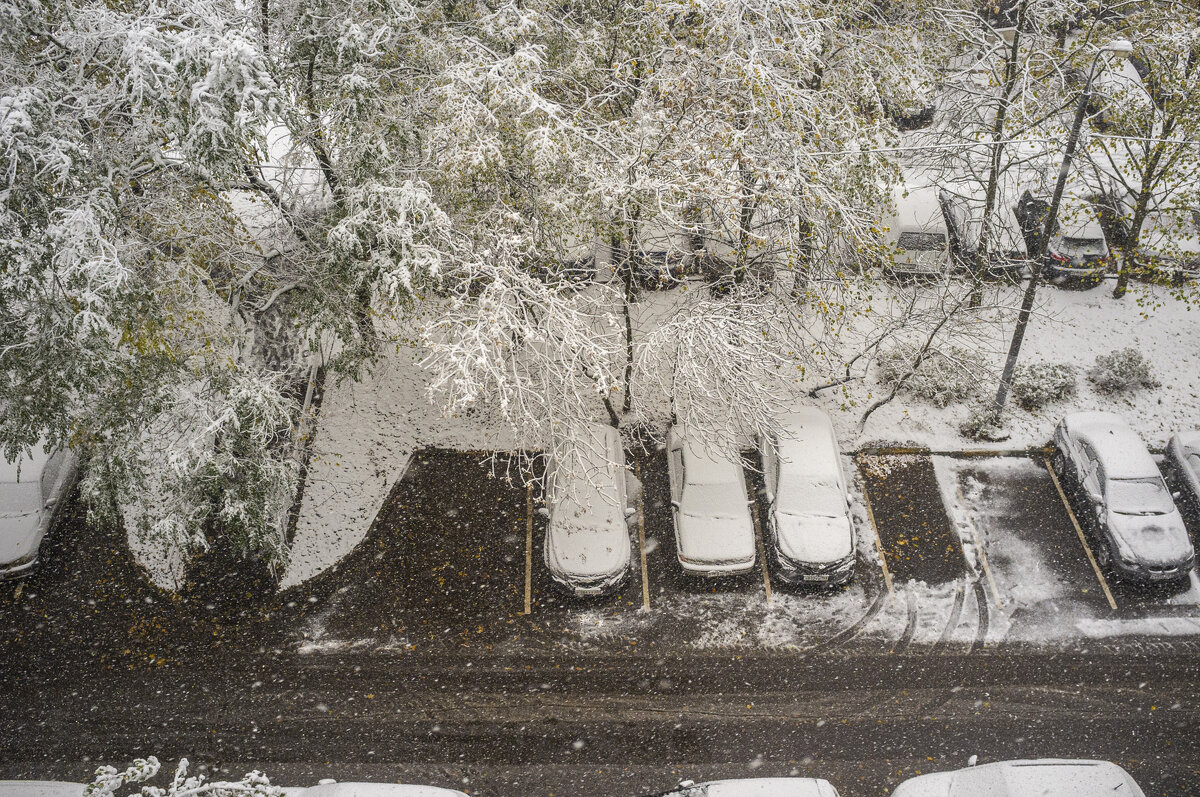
x=917 y=209
x=370 y=790
x=770 y=787
x=40 y=788
x=1123 y=453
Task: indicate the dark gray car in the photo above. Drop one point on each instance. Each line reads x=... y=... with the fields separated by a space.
x=1139 y=534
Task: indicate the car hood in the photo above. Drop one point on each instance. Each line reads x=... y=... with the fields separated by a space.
x=1153 y=539
x=18 y=535
x=813 y=539
x=592 y=551
x=936 y=784
x=716 y=539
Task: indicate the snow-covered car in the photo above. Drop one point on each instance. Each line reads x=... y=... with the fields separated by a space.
x=1047 y=777
x=1139 y=533
x=808 y=523
x=917 y=234
x=1007 y=255
x=714 y=533
x=1170 y=245
x=40 y=788
x=1078 y=252
x=587 y=547
x=30 y=491
x=755 y=787
x=1183 y=461
x=331 y=789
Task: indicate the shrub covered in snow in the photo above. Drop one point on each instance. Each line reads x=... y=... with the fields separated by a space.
x=980 y=424
x=1038 y=384
x=1121 y=372
x=940 y=377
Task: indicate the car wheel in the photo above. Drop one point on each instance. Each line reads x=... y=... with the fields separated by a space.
x=1059 y=463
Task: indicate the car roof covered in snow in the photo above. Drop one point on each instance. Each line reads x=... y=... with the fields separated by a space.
x=807 y=441
x=763 y=787
x=1188 y=441
x=40 y=788
x=28 y=464
x=917 y=209
x=370 y=790
x=1049 y=778
x=1122 y=451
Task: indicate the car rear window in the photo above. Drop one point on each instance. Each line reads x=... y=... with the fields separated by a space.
x=921 y=241
x=1084 y=243
x=21 y=498
x=1139 y=497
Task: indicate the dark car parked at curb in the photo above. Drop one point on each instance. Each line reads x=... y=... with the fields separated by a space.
x=1121 y=496
x=1077 y=253
x=1183 y=474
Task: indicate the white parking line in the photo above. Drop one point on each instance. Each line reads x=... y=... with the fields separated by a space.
x=1078 y=530
x=641 y=510
x=887 y=576
x=762 y=554
x=529 y=548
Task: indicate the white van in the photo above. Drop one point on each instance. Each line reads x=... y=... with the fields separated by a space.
x=916 y=233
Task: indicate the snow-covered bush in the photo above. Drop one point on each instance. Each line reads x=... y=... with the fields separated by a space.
x=981 y=424
x=1038 y=384
x=1121 y=372
x=942 y=378
x=110 y=782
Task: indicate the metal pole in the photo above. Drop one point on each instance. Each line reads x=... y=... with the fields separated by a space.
x=1040 y=243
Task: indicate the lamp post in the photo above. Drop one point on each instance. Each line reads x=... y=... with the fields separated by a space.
x=1120 y=47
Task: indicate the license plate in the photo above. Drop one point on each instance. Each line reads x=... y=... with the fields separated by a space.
x=815 y=578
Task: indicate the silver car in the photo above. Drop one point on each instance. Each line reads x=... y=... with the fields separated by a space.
x=587 y=547
x=30 y=491
x=1139 y=532
x=714 y=533
x=1045 y=777
x=334 y=789
x=1183 y=460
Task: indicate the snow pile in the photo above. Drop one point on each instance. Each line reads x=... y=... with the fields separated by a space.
x=367 y=432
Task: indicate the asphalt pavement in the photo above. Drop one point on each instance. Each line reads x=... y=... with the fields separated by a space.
x=414 y=659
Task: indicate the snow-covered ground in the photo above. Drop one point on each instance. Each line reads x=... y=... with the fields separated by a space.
x=1073 y=327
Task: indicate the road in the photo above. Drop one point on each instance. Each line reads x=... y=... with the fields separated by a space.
x=414 y=660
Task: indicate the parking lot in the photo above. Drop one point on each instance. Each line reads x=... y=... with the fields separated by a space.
x=961 y=553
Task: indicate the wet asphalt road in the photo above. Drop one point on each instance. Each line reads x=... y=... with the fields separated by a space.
x=458 y=684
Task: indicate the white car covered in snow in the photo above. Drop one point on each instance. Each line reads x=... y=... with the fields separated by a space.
x=808 y=524
x=40 y=788
x=1139 y=533
x=755 y=787
x=332 y=789
x=587 y=548
x=714 y=533
x=1044 y=778
x=30 y=489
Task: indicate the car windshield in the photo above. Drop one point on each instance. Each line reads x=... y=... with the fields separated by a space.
x=1139 y=497
x=19 y=499
x=1096 y=244
x=921 y=241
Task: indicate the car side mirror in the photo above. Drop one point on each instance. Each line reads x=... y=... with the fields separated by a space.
x=630 y=511
x=973 y=760
x=1095 y=498
x=1176 y=495
x=50 y=503
x=674 y=504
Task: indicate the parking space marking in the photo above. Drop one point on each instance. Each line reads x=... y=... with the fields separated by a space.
x=1079 y=530
x=987 y=571
x=887 y=576
x=641 y=512
x=529 y=548
x=762 y=554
